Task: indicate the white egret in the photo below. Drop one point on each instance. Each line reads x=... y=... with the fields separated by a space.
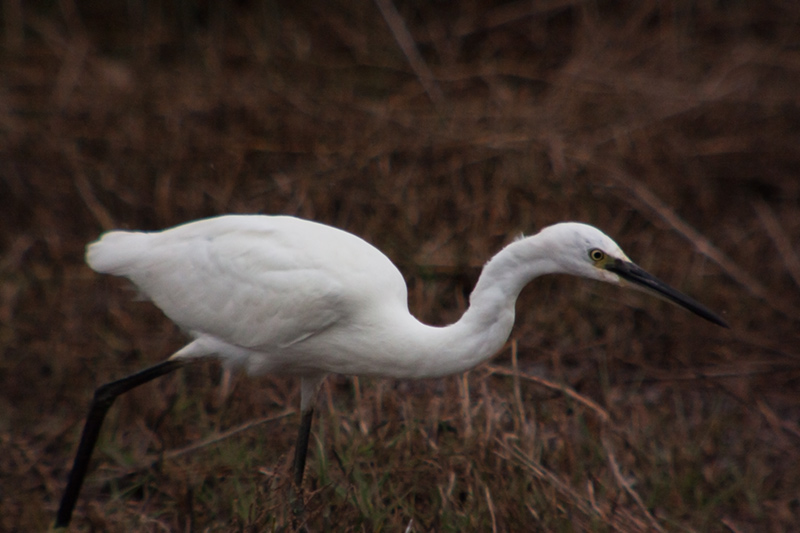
x=277 y=294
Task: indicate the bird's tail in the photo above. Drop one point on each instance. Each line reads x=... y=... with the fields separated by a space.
x=116 y=252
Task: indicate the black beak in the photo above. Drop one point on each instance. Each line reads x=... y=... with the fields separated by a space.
x=640 y=279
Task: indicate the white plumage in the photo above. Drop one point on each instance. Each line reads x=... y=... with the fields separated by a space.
x=258 y=291
x=283 y=295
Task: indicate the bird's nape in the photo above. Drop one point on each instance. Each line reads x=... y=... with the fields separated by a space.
x=639 y=278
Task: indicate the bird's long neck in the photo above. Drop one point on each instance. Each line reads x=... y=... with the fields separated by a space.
x=487 y=323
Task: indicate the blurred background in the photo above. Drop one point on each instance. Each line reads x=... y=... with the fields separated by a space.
x=437 y=131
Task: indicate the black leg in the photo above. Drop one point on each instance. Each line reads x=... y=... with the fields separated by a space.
x=104 y=396
x=301 y=449
x=298 y=466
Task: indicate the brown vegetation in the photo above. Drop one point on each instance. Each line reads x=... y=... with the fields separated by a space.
x=437 y=131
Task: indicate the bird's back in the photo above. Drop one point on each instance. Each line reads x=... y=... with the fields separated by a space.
x=259 y=282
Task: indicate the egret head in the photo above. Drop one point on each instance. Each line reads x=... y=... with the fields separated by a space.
x=586 y=251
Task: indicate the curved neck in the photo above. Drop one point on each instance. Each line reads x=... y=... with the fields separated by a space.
x=486 y=325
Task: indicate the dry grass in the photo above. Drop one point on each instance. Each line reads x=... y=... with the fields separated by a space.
x=674 y=126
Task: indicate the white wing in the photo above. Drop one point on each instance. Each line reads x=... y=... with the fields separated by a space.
x=258 y=282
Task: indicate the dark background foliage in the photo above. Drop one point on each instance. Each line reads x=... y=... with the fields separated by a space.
x=437 y=131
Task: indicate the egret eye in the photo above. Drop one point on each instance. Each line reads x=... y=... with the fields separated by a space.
x=597 y=255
